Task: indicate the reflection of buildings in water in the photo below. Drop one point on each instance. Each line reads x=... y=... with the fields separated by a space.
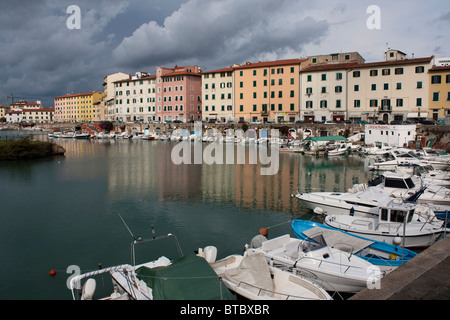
x=86 y=162
x=132 y=168
x=330 y=174
x=218 y=182
x=273 y=192
x=177 y=182
x=296 y=173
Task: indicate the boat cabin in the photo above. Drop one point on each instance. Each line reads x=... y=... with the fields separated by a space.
x=396 y=213
x=391 y=181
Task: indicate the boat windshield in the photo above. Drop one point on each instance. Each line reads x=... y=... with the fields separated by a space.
x=316 y=242
x=409 y=183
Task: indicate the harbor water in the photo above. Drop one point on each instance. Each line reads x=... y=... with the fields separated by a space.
x=64 y=213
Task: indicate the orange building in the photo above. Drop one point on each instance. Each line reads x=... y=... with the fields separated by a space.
x=267 y=91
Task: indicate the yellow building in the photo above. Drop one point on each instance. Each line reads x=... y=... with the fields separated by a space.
x=439 y=104
x=77 y=107
x=267 y=91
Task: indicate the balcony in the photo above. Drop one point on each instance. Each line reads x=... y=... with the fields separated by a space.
x=385 y=109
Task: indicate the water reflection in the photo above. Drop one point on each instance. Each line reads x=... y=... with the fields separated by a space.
x=143 y=168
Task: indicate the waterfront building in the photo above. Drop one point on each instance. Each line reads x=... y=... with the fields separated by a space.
x=14 y=116
x=76 y=107
x=324 y=91
x=218 y=95
x=3 y=110
x=394 y=89
x=109 y=94
x=178 y=94
x=439 y=94
x=267 y=91
x=41 y=115
x=392 y=135
x=134 y=99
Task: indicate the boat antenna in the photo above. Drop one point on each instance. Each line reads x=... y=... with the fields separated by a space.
x=131 y=233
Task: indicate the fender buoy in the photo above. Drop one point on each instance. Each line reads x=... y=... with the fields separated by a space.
x=52 y=272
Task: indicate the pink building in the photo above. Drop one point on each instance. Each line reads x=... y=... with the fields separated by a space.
x=178 y=94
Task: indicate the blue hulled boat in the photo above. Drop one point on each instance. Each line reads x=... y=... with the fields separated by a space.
x=383 y=255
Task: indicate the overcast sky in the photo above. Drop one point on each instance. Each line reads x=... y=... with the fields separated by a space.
x=41 y=58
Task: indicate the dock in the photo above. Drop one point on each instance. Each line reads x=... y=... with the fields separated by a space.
x=425 y=277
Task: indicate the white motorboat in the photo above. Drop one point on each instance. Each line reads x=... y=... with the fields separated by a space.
x=360 y=201
x=82 y=135
x=67 y=135
x=187 y=278
x=333 y=269
x=427 y=172
x=394 y=225
x=393 y=159
x=439 y=159
x=251 y=277
x=403 y=186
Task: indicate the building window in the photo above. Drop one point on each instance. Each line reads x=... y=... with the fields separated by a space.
x=420 y=69
x=374 y=103
x=386 y=86
x=309 y=104
x=435 y=96
x=338 y=89
x=324 y=89
x=399 y=102
x=399 y=86
x=373 y=73
x=374 y=87
x=419 y=85
x=356 y=74
x=357 y=103
x=308 y=90
x=419 y=102
x=324 y=77
x=338 y=103
x=447 y=78
x=356 y=87
x=386 y=72
x=323 y=104
x=436 y=79
x=398 y=70
x=339 y=76
x=309 y=78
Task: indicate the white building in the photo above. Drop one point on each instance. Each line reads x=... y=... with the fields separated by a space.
x=108 y=102
x=393 y=135
x=135 y=98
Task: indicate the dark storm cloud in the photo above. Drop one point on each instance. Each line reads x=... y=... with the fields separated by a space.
x=221 y=32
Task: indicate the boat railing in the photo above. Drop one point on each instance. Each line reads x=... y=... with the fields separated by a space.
x=321 y=263
x=266 y=292
x=75 y=281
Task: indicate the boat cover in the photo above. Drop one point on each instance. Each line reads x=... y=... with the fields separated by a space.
x=339 y=240
x=254 y=271
x=187 y=278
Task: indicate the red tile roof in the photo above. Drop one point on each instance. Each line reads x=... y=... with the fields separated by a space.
x=78 y=94
x=270 y=63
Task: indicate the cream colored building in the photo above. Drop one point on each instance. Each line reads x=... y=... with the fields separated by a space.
x=109 y=93
x=395 y=89
x=323 y=92
x=218 y=95
x=135 y=99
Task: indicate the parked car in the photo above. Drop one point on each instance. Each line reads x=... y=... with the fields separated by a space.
x=428 y=122
x=177 y=121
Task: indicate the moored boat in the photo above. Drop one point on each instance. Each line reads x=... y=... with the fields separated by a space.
x=385 y=256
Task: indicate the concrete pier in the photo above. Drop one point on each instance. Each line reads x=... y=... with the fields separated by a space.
x=425 y=277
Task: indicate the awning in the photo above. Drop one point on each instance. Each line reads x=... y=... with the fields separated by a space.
x=416 y=115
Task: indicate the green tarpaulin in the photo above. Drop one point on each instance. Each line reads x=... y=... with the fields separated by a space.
x=188 y=278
